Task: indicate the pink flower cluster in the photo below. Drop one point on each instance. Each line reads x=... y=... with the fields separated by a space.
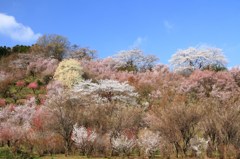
x=33 y=85
x=2 y=102
x=20 y=83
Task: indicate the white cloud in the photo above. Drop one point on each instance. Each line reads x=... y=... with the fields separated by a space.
x=138 y=42
x=168 y=25
x=11 y=28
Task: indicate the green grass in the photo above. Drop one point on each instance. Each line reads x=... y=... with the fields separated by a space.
x=62 y=156
x=6 y=153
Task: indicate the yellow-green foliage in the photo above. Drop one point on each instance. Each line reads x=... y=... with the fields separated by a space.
x=69 y=72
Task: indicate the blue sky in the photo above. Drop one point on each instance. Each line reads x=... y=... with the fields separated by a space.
x=159 y=27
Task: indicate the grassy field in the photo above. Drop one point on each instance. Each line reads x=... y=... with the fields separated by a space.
x=62 y=156
x=79 y=157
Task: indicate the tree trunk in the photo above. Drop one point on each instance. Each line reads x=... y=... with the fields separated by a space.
x=9 y=143
x=177 y=148
x=223 y=152
x=238 y=154
x=67 y=147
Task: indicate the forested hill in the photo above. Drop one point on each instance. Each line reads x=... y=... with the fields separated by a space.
x=59 y=98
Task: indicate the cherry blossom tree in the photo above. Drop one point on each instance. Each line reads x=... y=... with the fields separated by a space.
x=235 y=72
x=98 y=69
x=54 y=89
x=149 y=141
x=83 y=138
x=42 y=66
x=16 y=122
x=108 y=90
x=134 y=60
x=188 y=60
x=122 y=144
x=220 y=85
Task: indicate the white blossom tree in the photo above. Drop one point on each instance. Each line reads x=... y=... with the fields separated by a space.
x=188 y=60
x=83 y=138
x=122 y=144
x=107 y=91
x=149 y=141
x=134 y=60
x=199 y=145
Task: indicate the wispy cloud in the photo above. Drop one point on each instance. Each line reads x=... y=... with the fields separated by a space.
x=168 y=25
x=11 y=28
x=138 y=42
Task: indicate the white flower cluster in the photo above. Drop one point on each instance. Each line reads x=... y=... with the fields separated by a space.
x=149 y=141
x=107 y=90
x=197 y=58
x=199 y=145
x=136 y=58
x=122 y=144
x=81 y=136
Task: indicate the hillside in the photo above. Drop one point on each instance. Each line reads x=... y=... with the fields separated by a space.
x=57 y=98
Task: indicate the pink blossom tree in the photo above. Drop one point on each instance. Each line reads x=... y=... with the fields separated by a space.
x=42 y=66
x=220 y=85
x=16 y=122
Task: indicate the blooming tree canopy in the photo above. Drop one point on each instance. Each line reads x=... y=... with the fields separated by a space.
x=122 y=144
x=81 y=136
x=107 y=90
x=43 y=66
x=149 y=141
x=16 y=120
x=188 y=60
x=69 y=72
x=134 y=60
x=220 y=85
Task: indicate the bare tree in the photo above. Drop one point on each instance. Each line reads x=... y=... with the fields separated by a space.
x=65 y=113
x=54 y=45
x=177 y=124
x=77 y=52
